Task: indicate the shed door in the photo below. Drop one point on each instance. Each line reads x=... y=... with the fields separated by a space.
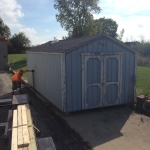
x=112 y=80
x=92 y=76
x=101 y=80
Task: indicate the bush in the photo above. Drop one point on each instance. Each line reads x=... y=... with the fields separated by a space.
x=143 y=61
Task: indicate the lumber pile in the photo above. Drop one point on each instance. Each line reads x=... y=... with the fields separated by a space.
x=23 y=137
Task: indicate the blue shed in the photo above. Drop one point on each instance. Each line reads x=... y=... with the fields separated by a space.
x=84 y=73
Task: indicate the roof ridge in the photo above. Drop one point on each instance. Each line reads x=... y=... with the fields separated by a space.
x=64 y=46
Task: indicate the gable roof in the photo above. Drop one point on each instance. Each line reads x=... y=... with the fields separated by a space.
x=63 y=46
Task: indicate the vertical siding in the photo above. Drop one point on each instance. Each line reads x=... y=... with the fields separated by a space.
x=69 y=104
x=47 y=75
x=3 y=55
x=74 y=72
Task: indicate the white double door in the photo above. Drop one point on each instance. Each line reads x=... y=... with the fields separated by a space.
x=101 y=80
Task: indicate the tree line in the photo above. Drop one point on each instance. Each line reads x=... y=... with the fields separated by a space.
x=17 y=42
x=76 y=17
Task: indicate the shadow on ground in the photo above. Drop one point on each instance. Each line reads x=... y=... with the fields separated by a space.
x=54 y=126
x=100 y=126
x=19 y=64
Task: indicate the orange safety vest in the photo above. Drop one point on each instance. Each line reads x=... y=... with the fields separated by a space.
x=17 y=76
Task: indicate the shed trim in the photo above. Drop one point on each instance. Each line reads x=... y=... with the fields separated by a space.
x=83 y=88
x=63 y=82
x=85 y=57
x=44 y=53
x=99 y=36
x=121 y=66
x=101 y=53
x=91 y=38
x=135 y=76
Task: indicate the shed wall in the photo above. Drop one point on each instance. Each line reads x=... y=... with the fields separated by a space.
x=3 y=55
x=74 y=71
x=47 y=75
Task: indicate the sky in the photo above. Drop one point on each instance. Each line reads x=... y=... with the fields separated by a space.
x=36 y=18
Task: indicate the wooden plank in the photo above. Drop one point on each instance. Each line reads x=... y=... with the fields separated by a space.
x=6 y=127
x=9 y=117
x=3 y=124
x=14 y=145
x=24 y=115
x=20 y=134
x=25 y=131
x=5 y=100
x=21 y=148
x=33 y=144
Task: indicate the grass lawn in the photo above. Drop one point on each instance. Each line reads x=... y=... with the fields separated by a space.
x=143 y=80
x=18 y=61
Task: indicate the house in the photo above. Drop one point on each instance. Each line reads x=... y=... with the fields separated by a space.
x=84 y=73
x=3 y=54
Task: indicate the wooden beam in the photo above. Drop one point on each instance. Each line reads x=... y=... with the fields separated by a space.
x=3 y=124
x=25 y=131
x=21 y=148
x=20 y=136
x=14 y=145
x=33 y=143
x=5 y=100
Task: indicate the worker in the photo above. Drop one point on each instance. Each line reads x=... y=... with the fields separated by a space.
x=16 y=78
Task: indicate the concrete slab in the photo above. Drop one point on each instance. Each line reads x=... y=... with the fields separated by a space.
x=20 y=99
x=113 y=128
x=5 y=85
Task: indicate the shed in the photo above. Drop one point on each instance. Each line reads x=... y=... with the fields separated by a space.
x=3 y=54
x=84 y=73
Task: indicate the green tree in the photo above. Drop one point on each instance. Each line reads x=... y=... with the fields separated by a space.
x=144 y=48
x=120 y=36
x=76 y=17
x=4 y=30
x=107 y=26
x=19 y=42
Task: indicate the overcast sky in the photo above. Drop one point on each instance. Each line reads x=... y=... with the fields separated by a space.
x=36 y=18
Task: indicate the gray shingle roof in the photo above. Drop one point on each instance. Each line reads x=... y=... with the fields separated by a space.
x=66 y=45
x=63 y=45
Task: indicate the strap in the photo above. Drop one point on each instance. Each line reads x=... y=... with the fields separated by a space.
x=29 y=125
